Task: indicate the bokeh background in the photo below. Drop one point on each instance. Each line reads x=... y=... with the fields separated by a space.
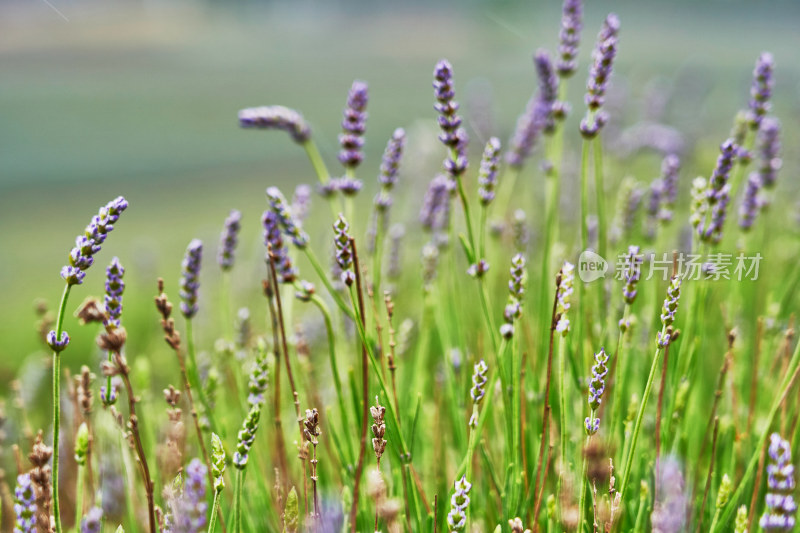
x=139 y=98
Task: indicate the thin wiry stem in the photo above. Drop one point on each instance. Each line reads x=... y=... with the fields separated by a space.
x=708 y=478
x=57 y=405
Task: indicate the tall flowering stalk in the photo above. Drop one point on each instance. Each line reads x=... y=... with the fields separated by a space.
x=80 y=259
x=387 y=179
x=761 y=90
x=354 y=124
x=459 y=505
x=487 y=183
x=217 y=471
x=115 y=286
x=228 y=240
x=668 y=311
x=717 y=196
x=781 y=507
x=246 y=437
x=591 y=423
x=569 y=37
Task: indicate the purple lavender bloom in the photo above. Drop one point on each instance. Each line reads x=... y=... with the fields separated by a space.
x=516 y=285
x=718 y=194
x=259 y=377
x=449 y=121
x=288 y=223
x=344 y=252
x=105 y=397
x=93 y=521
x=569 y=37
x=391 y=158
x=246 y=437
x=87 y=245
x=276 y=117
x=478 y=390
x=487 y=176
x=530 y=125
x=563 y=296
x=781 y=506
x=114 y=289
x=354 y=125
x=24 y=505
x=548 y=86
x=190 y=280
x=435 y=205
x=669 y=511
x=761 y=89
x=228 y=240
x=274 y=243
x=597 y=387
x=301 y=202
x=602 y=62
x=190 y=510
x=457 y=517
x=769 y=150
x=56 y=344
x=671 y=302
x=348 y=185
x=670 y=170
x=590 y=128
x=750 y=202
x=631 y=274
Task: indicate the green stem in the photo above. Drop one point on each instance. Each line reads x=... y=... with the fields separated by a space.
x=562 y=406
x=237 y=502
x=316 y=161
x=584 y=470
x=214 y=510
x=642 y=405
x=194 y=374
x=225 y=305
x=57 y=404
x=600 y=191
x=79 y=499
x=315 y=264
x=377 y=255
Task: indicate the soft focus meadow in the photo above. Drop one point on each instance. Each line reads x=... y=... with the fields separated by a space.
x=327 y=280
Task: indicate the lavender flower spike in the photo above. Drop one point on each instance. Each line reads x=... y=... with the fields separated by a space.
x=354 y=125
x=449 y=120
x=669 y=308
x=93 y=521
x=258 y=381
x=670 y=168
x=602 y=61
x=548 y=86
x=24 y=505
x=457 y=517
x=114 y=289
x=390 y=165
x=288 y=222
x=344 y=252
x=566 y=278
x=750 y=202
x=781 y=506
x=597 y=387
x=276 y=117
x=274 y=243
x=190 y=512
x=190 y=280
x=487 y=176
x=631 y=274
x=228 y=240
x=246 y=437
x=569 y=37
x=87 y=245
x=769 y=149
x=761 y=90
x=301 y=202
x=478 y=390
x=529 y=126
x=718 y=194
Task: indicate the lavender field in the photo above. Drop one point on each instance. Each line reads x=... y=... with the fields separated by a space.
x=480 y=267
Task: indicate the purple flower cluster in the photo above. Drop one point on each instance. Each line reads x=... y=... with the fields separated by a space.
x=597 y=387
x=548 y=87
x=435 y=211
x=24 y=505
x=93 y=521
x=190 y=279
x=344 y=252
x=457 y=517
x=390 y=164
x=301 y=202
x=781 y=506
x=246 y=437
x=529 y=126
x=478 y=390
x=516 y=291
x=669 y=308
x=276 y=117
x=354 y=125
x=750 y=202
x=718 y=194
x=569 y=37
x=56 y=344
x=114 y=289
x=600 y=72
x=487 y=175
x=564 y=290
x=769 y=149
x=274 y=243
x=761 y=89
x=631 y=274
x=190 y=511
x=449 y=120
x=258 y=381
x=670 y=171
x=228 y=240
x=286 y=219
x=87 y=245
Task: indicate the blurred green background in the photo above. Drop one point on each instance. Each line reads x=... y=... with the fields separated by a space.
x=99 y=99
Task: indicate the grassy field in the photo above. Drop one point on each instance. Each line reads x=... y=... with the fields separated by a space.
x=142 y=102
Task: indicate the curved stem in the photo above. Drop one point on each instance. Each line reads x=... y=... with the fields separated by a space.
x=213 y=521
x=316 y=161
x=315 y=264
x=57 y=405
